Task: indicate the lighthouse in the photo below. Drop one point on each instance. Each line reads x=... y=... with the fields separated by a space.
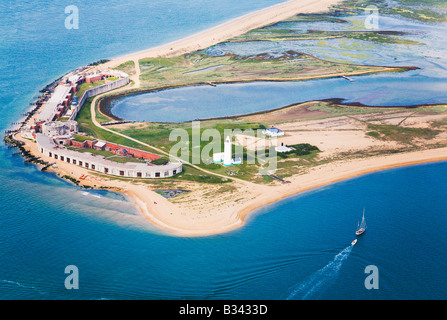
x=227 y=152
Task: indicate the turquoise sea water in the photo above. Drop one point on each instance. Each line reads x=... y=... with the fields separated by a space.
x=295 y=249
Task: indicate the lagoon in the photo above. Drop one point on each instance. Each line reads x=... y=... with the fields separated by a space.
x=225 y=100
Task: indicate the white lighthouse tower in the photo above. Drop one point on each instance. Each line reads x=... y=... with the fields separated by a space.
x=227 y=152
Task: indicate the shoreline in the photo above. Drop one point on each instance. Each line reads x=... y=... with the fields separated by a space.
x=353 y=175
x=344 y=171
x=175 y=220
x=231 y=28
x=226 y=216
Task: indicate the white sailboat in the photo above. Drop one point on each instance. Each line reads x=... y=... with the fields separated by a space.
x=361 y=228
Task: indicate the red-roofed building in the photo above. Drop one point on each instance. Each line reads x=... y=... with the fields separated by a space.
x=130 y=152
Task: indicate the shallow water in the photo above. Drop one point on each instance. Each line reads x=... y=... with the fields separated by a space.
x=428 y=85
x=202 y=102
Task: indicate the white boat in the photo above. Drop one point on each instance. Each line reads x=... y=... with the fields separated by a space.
x=361 y=228
x=354 y=242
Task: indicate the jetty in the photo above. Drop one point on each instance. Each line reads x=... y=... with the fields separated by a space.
x=111 y=123
x=47 y=166
x=278 y=178
x=349 y=79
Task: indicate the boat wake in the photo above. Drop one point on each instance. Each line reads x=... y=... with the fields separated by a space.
x=317 y=283
x=18 y=284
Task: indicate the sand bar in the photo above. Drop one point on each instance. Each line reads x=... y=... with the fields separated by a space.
x=229 y=29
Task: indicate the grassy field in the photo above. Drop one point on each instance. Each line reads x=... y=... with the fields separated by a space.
x=86 y=86
x=290 y=35
x=163 y=72
x=306 y=156
x=81 y=138
x=158 y=136
x=400 y=134
x=127 y=67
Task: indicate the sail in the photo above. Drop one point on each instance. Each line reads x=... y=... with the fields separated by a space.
x=363 y=225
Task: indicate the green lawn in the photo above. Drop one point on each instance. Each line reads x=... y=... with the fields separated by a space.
x=108 y=155
x=86 y=86
x=81 y=138
x=158 y=135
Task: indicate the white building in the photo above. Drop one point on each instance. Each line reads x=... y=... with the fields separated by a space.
x=228 y=146
x=49 y=148
x=283 y=149
x=54 y=128
x=273 y=132
x=226 y=156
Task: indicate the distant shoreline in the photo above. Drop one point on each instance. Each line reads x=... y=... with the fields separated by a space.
x=229 y=29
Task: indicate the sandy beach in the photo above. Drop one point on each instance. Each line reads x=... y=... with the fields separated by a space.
x=210 y=215
x=208 y=209
x=229 y=29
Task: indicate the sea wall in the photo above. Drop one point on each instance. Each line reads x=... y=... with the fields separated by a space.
x=99 y=90
x=86 y=160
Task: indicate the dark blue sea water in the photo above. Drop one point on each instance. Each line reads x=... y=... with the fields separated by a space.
x=295 y=249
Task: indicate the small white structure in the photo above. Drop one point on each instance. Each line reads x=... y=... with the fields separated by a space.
x=100 y=145
x=283 y=149
x=273 y=132
x=227 y=152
